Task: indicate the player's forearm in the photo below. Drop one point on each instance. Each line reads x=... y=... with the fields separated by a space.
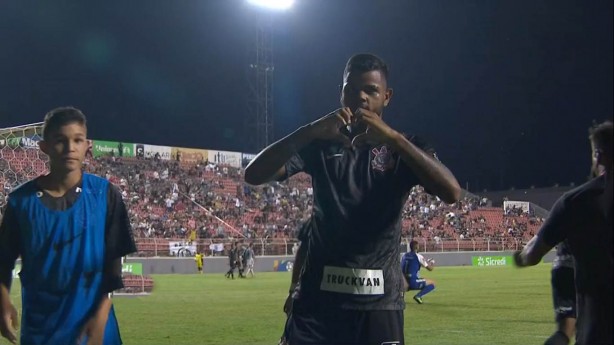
x=433 y=175
x=532 y=253
x=267 y=163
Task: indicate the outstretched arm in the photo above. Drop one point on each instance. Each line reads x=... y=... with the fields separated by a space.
x=269 y=165
x=532 y=253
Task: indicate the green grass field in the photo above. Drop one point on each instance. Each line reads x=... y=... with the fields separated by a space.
x=498 y=305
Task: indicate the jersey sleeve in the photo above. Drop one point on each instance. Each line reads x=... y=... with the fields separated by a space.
x=299 y=162
x=410 y=177
x=558 y=224
x=422 y=261
x=294 y=166
x=118 y=238
x=9 y=245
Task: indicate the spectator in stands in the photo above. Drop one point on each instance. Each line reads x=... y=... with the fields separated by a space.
x=85 y=239
x=351 y=187
x=583 y=218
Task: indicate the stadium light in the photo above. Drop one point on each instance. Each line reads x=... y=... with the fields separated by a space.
x=273 y=4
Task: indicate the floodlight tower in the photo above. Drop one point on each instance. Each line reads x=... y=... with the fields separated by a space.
x=259 y=122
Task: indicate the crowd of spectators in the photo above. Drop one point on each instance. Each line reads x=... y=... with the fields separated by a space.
x=173 y=199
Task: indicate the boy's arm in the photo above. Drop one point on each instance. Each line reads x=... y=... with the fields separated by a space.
x=119 y=242
x=9 y=246
x=94 y=328
x=9 y=319
x=9 y=252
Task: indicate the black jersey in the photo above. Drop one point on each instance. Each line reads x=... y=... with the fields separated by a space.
x=355 y=228
x=579 y=218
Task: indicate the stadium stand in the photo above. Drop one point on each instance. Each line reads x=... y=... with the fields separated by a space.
x=205 y=204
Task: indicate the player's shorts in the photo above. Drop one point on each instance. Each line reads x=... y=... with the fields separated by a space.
x=250 y=263
x=563 y=293
x=355 y=327
x=417 y=284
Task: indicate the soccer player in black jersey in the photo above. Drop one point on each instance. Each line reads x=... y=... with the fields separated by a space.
x=583 y=218
x=351 y=286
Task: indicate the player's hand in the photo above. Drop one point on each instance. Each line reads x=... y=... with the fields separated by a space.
x=9 y=322
x=330 y=127
x=378 y=132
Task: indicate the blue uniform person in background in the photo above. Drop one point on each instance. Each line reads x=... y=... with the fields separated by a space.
x=410 y=265
x=71 y=230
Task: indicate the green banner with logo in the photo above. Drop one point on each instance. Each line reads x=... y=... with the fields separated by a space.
x=108 y=148
x=485 y=261
x=133 y=268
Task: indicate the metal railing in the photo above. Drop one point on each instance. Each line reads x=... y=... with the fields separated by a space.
x=159 y=247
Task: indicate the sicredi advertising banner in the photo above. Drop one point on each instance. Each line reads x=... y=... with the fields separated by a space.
x=108 y=148
x=486 y=261
x=151 y=151
x=232 y=159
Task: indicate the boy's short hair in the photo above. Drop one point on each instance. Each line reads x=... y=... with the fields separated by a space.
x=62 y=116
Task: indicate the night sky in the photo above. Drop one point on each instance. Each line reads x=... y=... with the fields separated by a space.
x=504 y=90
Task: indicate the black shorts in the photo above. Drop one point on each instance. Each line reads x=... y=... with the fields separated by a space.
x=563 y=293
x=351 y=327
